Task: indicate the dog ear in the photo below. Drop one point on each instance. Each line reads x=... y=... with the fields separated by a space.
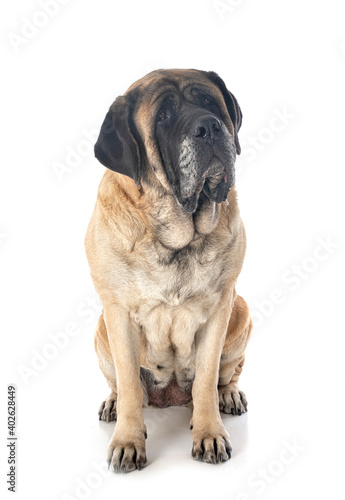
x=116 y=147
x=234 y=109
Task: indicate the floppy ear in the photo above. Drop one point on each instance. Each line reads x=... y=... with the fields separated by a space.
x=232 y=105
x=116 y=148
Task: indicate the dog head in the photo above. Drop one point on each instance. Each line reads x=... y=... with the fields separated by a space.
x=179 y=125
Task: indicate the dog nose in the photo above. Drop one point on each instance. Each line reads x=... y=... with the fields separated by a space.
x=206 y=126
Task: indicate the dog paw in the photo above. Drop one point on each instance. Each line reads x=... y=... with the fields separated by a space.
x=126 y=457
x=212 y=448
x=232 y=401
x=107 y=410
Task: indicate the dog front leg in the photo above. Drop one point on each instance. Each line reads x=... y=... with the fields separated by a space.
x=211 y=442
x=126 y=450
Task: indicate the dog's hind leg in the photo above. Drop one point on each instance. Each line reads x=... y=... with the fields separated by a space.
x=231 y=399
x=107 y=410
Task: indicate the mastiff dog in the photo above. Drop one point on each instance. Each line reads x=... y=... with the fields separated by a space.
x=165 y=246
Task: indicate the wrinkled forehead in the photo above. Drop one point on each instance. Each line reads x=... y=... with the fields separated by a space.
x=152 y=86
x=150 y=91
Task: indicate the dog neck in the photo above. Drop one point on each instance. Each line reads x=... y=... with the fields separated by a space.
x=157 y=211
x=171 y=224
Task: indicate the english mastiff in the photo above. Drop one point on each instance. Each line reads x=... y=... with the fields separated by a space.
x=165 y=246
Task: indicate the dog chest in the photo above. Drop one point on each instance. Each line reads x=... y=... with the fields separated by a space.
x=182 y=280
x=172 y=301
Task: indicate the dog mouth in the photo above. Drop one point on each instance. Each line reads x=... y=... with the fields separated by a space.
x=215 y=190
x=215 y=183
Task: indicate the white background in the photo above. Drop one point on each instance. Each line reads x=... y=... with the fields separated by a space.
x=276 y=57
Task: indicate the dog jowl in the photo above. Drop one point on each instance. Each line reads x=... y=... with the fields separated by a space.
x=165 y=246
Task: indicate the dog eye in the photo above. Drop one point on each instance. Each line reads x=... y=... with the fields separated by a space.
x=162 y=116
x=206 y=101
